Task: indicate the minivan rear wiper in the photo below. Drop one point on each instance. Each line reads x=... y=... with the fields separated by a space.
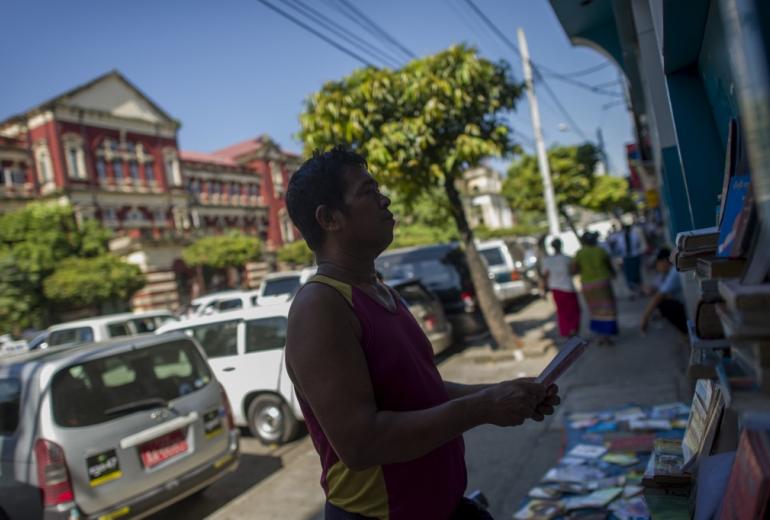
x=135 y=406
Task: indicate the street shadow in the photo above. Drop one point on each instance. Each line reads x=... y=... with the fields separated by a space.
x=251 y=470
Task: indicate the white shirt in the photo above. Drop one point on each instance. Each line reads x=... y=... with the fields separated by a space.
x=559 y=276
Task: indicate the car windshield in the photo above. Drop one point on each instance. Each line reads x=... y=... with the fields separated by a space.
x=413 y=294
x=278 y=286
x=120 y=384
x=432 y=273
x=10 y=397
x=493 y=256
x=73 y=335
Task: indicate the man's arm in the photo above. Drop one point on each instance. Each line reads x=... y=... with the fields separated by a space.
x=329 y=370
x=651 y=306
x=456 y=390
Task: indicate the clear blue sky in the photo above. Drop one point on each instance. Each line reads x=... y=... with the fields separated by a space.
x=232 y=70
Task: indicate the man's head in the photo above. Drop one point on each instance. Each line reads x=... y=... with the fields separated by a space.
x=332 y=196
x=556 y=245
x=662 y=262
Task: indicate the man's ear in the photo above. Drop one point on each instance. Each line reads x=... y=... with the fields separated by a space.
x=329 y=219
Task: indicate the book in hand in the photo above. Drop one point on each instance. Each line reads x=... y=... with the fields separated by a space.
x=563 y=360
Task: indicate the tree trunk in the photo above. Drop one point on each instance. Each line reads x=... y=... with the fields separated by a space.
x=570 y=223
x=490 y=305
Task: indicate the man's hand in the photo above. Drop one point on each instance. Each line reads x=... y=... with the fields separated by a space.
x=510 y=403
x=546 y=406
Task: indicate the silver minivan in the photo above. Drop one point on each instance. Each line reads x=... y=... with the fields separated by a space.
x=121 y=430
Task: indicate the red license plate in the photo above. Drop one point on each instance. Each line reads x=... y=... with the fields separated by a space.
x=162 y=448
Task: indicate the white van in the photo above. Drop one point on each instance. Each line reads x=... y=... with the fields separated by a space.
x=509 y=282
x=246 y=351
x=101 y=328
x=282 y=286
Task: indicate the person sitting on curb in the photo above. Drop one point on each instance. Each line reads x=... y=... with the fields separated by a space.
x=668 y=297
x=387 y=428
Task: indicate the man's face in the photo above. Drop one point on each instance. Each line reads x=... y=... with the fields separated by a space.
x=661 y=265
x=367 y=221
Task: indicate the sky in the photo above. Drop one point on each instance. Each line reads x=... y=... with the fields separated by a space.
x=234 y=69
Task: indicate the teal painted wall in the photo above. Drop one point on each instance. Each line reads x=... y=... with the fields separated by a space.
x=674 y=193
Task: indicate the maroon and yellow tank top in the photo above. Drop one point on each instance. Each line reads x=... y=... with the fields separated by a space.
x=404 y=378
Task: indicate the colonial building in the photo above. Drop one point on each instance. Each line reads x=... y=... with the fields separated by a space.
x=484 y=203
x=113 y=154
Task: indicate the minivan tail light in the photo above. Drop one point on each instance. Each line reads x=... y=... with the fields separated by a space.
x=53 y=477
x=515 y=276
x=228 y=408
x=468 y=300
x=430 y=322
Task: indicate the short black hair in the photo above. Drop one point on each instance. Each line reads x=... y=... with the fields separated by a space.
x=556 y=244
x=663 y=254
x=319 y=181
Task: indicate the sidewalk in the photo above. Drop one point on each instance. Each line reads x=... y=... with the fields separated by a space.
x=506 y=462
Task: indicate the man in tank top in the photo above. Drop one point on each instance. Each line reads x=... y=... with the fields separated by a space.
x=387 y=428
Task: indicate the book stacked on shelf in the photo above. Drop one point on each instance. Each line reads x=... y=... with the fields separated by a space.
x=694 y=244
x=705 y=414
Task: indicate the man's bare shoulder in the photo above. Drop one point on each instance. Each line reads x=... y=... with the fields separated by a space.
x=317 y=308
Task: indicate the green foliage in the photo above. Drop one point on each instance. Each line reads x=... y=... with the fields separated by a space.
x=418 y=125
x=609 y=194
x=572 y=175
x=297 y=253
x=233 y=249
x=34 y=241
x=425 y=220
x=82 y=282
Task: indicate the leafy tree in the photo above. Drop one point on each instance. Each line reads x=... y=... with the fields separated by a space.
x=425 y=220
x=84 y=282
x=34 y=241
x=233 y=249
x=609 y=195
x=296 y=253
x=572 y=175
x=419 y=128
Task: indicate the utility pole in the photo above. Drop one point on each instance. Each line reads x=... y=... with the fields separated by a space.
x=602 y=153
x=542 y=158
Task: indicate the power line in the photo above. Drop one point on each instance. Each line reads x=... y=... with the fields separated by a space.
x=342 y=32
x=589 y=70
x=317 y=33
x=535 y=69
x=374 y=28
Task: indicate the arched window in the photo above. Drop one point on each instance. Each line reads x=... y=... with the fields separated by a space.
x=287 y=231
x=43 y=164
x=74 y=156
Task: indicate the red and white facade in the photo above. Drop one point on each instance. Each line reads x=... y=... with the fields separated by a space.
x=113 y=154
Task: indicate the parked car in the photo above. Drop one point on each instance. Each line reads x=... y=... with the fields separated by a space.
x=101 y=328
x=281 y=287
x=508 y=281
x=442 y=269
x=122 y=430
x=427 y=310
x=246 y=350
x=221 y=302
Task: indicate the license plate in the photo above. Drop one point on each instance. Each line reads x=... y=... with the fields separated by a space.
x=163 y=448
x=212 y=424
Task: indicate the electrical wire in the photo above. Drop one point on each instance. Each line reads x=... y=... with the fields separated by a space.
x=328 y=40
x=361 y=19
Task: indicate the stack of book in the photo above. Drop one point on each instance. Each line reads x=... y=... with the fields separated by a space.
x=744 y=316
x=692 y=245
x=702 y=425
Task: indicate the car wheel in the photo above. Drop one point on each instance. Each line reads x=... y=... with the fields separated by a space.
x=271 y=421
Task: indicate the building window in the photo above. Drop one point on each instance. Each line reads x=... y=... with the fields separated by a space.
x=43 y=163
x=277 y=175
x=287 y=232
x=133 y=170
x=171 y=166
x=74 y=156
x=148 y=173
x=101 y=170
x=135 y=216
x=117 y=169
x=215 y=187
x=234 y=190
x=253 y=190
x=109 y=216
x=159 y=216
x=195 y=186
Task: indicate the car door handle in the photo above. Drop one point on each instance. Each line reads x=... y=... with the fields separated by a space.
x=228 y=369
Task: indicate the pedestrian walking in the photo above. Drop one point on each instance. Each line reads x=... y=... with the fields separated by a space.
x=558 y=278
x=387 y=428
x=594 y=266
x=629 y=242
